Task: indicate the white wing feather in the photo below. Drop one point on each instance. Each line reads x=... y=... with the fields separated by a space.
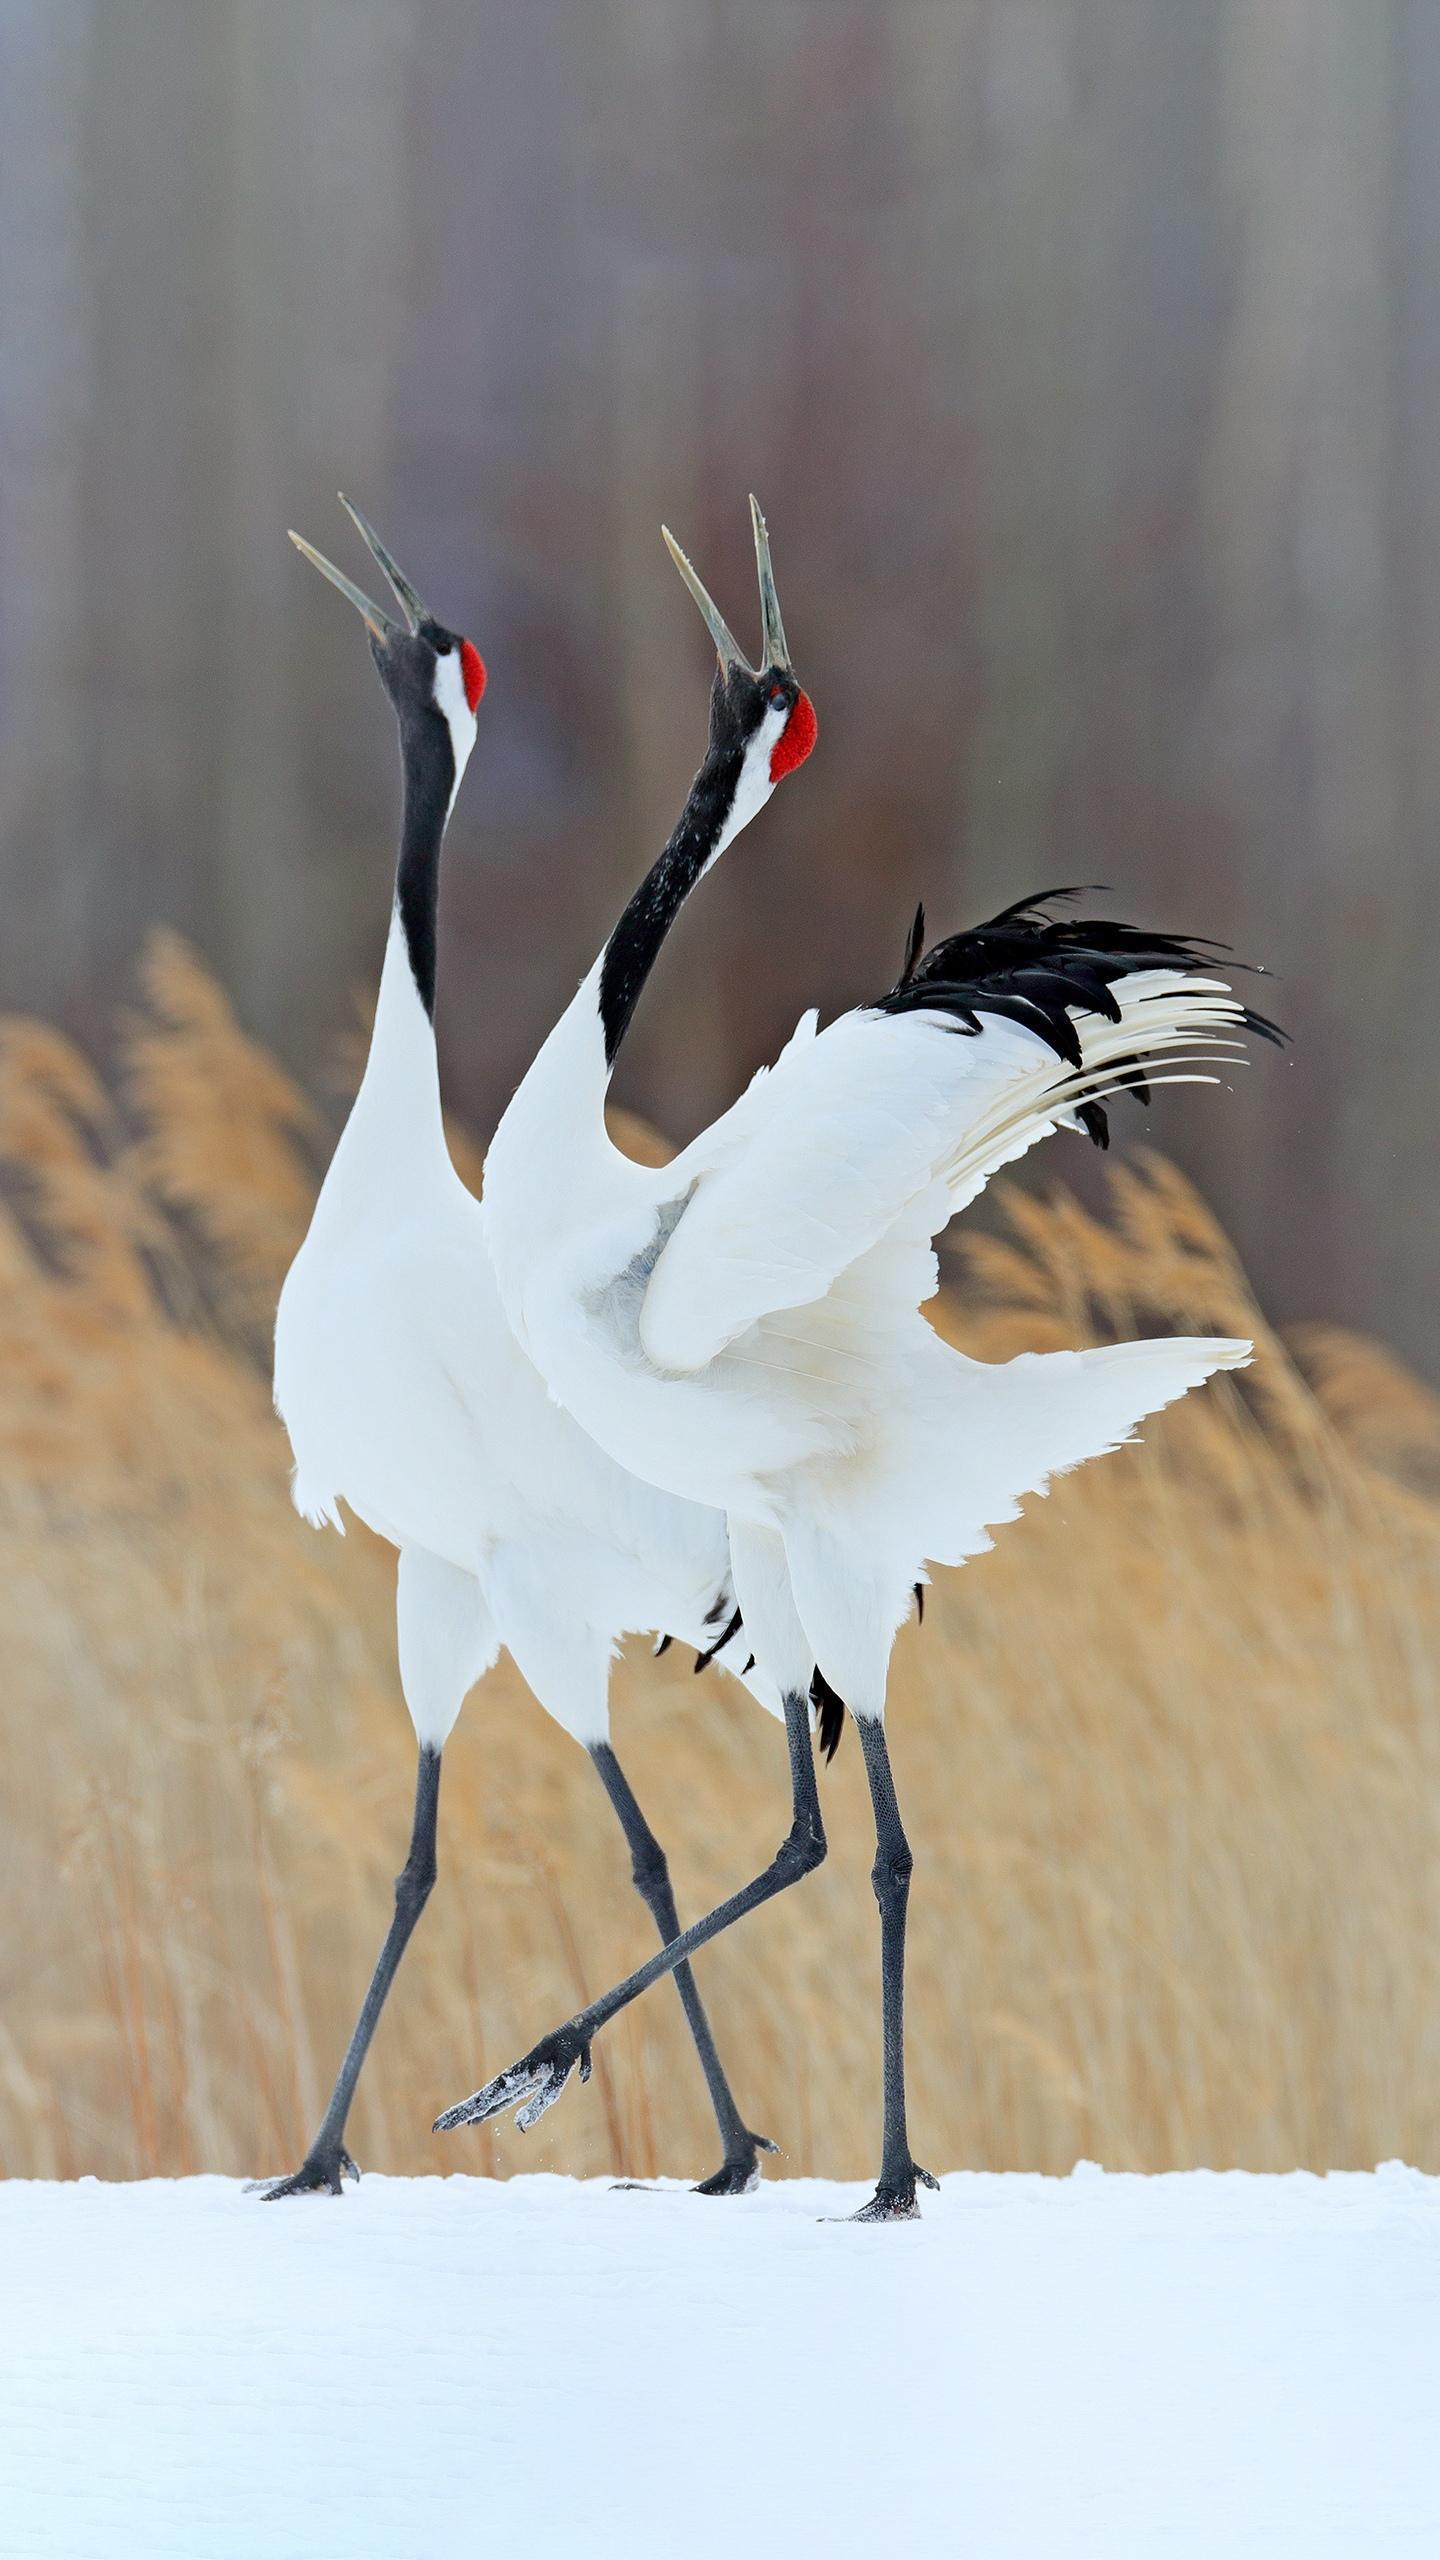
x=820 y=1159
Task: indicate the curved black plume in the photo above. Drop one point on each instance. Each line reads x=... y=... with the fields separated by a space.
x=1037 y=969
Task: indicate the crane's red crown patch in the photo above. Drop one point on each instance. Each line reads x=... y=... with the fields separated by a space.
x=795 y=740
x=472 y=669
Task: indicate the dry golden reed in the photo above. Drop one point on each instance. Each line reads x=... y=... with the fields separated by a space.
x=1171 y=1755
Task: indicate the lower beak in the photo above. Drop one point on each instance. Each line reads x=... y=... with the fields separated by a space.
x=377 y=623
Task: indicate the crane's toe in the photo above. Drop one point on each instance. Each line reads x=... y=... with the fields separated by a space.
x=531 y=2086
x=321 y=2172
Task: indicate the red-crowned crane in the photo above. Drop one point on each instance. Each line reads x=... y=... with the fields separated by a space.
x=743 y=1326
x=406 y=1395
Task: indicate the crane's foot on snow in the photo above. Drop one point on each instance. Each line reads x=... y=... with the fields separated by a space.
x=532 y=2085
x=740 y=2176
x=320 y=2173
x=894 y=2199
x=736 y=2176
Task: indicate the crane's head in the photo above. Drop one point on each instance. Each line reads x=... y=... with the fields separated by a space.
x=760 y=715
x=433 y=677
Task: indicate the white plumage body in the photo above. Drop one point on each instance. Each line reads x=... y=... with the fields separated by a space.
x=406 y=1395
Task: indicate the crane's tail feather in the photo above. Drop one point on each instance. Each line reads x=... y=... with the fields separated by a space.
x=958 y=1464
x=997 y=1432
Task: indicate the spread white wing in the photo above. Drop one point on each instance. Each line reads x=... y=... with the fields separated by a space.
x=823 y=1156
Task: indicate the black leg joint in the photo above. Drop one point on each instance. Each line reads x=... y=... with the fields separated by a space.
x=803 y=1848
x=650 y=1872
x=891 y=1873
x=649 y=1867
x=414 y=1886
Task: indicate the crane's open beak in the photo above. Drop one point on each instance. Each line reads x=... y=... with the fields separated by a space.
x=378 y=623
x=774 y=652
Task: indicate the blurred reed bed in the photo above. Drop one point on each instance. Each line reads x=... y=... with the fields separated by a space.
x=1170 y=1756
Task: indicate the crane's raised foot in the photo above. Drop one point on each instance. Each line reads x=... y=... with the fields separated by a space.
x=894 y=2199
x=532 y=2085
x=322 y=2172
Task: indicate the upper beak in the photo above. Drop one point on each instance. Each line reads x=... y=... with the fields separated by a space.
x=415 y=611
x=378 y=623
x=774 y=652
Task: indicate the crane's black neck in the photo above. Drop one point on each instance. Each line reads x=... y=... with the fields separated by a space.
x=634 y=946
x=427 y=758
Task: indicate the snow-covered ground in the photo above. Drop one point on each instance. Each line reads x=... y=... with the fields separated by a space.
x=1202 y=2365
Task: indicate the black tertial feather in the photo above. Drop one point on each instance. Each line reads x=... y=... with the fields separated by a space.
x=913 y=947
x=731 y=1628
x=1039 y=970
x=830 y=1710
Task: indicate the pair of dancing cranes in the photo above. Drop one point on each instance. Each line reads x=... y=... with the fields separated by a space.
x=701 y=1400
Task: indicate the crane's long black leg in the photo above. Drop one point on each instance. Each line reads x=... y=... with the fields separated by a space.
x=894 y=2197
x=327 y=2162
x=739 y=2171
x=535 y=2084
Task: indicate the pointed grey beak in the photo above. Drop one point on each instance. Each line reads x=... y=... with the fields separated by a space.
x=415 y=612
x=773 y=650
x=730 y=651
x=377 y=622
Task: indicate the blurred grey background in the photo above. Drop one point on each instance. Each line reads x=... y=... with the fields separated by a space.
x=1085 y=355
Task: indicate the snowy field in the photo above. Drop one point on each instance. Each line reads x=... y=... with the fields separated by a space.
x=1107 y=2365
